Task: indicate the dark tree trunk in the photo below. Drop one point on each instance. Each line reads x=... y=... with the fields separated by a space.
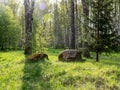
x=97 y=56
x=29 y=7
x=119 y=18
x=85 y=7
x=72 y=43
x=98 y=28
x=76 y=23
x=85 y=45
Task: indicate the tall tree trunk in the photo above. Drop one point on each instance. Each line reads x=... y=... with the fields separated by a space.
x=29 y=8
x=86 y=36
x=22 y=41
x=72 y=42
x=77 y=23
x=97 y=33
x=56 y=28
x=68 y=24
x=85 y=5
x=119 y=18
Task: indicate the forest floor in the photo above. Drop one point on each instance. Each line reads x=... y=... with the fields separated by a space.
x=17 y=74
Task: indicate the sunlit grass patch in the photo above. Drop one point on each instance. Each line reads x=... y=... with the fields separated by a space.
x=17 y=74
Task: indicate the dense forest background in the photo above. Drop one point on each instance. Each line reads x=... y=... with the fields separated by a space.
x=87 y=25
x=59 y=44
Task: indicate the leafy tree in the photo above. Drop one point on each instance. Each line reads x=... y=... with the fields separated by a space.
x=8 y=29
x=42 y=26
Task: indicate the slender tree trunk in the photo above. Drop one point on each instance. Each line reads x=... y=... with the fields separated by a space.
x=56 y=29
x=72 y=42
x=98 y=29
x=85 y=6
x=97 y=56
x=119 y=18
x=97 y=52
x=86 y=35
x=68 y=24
x=22 y=41
x=76 y=23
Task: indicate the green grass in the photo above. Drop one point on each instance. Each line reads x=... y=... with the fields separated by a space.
x=17 y=74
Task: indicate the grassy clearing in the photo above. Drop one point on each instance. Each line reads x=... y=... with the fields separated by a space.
x=16 y=74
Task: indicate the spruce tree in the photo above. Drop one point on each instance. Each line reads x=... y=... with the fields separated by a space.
x=102 y=26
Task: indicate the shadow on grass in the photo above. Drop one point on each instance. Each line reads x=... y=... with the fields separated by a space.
x=82 y=60
x=72 y=61
x=33 y=76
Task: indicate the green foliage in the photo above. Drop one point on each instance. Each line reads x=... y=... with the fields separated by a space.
x=9 y=29
x=103 y=31
x=15 y=73
x=42 y=32
x=39 y=38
